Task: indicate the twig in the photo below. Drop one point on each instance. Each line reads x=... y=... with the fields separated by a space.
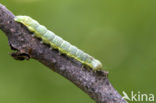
x=95 y=84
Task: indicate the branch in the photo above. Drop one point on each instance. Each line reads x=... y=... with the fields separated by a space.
x=95 y=84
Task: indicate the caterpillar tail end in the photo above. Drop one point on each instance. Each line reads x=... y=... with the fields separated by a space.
x=27 y=21
x=21 y=18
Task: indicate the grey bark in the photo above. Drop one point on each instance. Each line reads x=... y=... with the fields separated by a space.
x=95 y=84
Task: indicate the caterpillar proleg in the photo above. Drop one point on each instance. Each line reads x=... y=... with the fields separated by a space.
x=57 y=42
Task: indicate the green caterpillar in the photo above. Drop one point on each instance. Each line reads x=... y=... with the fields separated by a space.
x=57 y=42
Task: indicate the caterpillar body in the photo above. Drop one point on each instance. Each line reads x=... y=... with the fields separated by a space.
x=57 y=42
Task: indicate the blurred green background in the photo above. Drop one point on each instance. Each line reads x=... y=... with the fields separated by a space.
x=120 y=33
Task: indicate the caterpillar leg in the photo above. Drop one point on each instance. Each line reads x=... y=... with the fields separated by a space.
x=82 y=66
x=50 y=48
x=60 y=53
x=41 y=42
x=85 y=67
x=33 y=35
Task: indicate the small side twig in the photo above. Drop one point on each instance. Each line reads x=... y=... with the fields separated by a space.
x=95 y=84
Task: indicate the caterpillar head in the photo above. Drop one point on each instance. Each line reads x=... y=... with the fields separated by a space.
x=97 y=65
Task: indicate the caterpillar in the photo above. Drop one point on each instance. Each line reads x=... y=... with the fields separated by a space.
x=58 y=43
